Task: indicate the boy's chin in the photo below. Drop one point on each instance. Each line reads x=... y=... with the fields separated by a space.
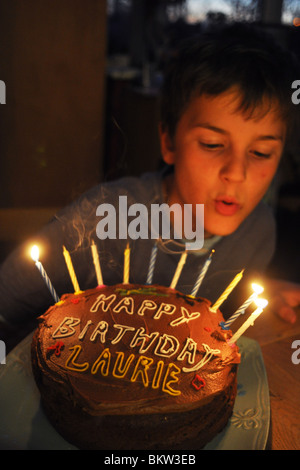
x=222 y=230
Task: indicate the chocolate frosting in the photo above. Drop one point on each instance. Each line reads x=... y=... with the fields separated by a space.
x=132 y=349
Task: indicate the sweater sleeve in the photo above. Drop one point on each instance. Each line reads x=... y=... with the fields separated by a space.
x=23 y=292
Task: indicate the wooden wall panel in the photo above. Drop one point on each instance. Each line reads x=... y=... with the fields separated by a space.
x=52 y=59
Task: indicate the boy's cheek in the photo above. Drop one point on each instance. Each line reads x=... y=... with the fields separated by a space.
x=265 y=175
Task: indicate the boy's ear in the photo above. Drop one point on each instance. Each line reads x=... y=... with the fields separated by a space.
x=166 y=146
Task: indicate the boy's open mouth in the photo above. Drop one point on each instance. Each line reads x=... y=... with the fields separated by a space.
x=226 y=206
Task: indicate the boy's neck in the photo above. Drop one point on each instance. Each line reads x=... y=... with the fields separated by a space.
x=167 y=184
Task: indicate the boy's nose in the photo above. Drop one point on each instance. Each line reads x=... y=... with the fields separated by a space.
x=234 y=169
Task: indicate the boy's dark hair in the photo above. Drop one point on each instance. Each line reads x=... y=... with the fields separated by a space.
x=238 y=56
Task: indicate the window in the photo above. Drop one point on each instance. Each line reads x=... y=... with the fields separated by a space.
x=290 y=10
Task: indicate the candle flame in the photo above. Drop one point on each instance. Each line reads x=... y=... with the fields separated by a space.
x=35 y=253
x=261 y=303
x=257 y=288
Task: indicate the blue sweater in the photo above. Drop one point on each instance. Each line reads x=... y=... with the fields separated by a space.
x=24 y=294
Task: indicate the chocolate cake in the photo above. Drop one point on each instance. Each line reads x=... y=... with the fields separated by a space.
x=135 y=367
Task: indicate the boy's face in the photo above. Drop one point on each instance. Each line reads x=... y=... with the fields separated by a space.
x=222 y=160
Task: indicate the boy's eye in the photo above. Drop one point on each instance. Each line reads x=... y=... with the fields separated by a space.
x=211 y=146
x=261 y=154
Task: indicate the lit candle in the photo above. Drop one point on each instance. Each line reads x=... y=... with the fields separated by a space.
x=97 y=263
x=227 y=291
x=201 y=275
x=71 y=270
x=241 y=310
x=126 y=265
x=178 y=270
x=35 y=256
x=152 y=264
x=261 y=304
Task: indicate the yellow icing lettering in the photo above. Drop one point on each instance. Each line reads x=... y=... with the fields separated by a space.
x=141 y=368
x=101 y=330
x=120 y=369
x=126 y=304
x=66 y=327
x=162 y=376
x=168 y=309
x=146 y=305
x=103 y=302
x=73 y=357
x=173 y=378
x=103 y=361
x=158 y=374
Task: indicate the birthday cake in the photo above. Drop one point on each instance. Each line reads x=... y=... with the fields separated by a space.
x=135 y=367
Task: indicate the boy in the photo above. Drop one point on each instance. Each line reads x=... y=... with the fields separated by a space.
x=226 y=119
